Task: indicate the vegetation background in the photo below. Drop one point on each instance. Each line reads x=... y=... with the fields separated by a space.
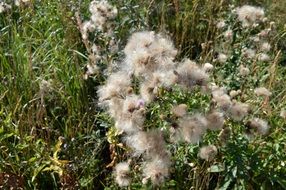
x=53 y=135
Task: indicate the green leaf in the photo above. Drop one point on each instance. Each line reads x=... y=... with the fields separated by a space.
x=226 y=184
x=216 y=168
x=37 y=171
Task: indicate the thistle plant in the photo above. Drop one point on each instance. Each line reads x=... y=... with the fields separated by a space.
x=101 y=44
x=150 y=72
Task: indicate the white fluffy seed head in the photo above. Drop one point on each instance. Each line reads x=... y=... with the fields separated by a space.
x=156 y=170
x=180 y=110
x=149 y=88
x=190 y=74
x=4 y=7
x=243 y=71
x=220 y=97
x=283 y=113
x=264 y=33
x=208 y=152
x=191 y=128
x=215 y=120
x=207 y=67
x=238 y=111
x=121 y=172
x=101 y=12
x=263 y=57
x=249 y=53
x=150 y=143
x=249 y=15
x=222 y=58
x=132 y=116
x=223 y=101
x=117 y=85
x=228 y=34
x=258 y=126
x=221 y=24
x=234 y=93
x=139 y=40
x=147 y=52
x=138 y=142
x=167 y=78
x=262 y=91
x=265 y=47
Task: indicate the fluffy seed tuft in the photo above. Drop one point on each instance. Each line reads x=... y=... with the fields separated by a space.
x=208 y=152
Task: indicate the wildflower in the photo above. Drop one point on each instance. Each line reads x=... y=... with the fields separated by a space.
x=216 y=90
x=192 y=128
x=283 y=113
x=180 y=110
x=265 y=47
x=234 y=93
x=208 y=152
x=157 y=170
x=249 y=15
x=17 y=3
x=263 y=57
x=262 y=91
x=238 y=111
x=222 y=58
x=215 y=120
x=258 y=126
x=121 y=172
x=221 y=24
